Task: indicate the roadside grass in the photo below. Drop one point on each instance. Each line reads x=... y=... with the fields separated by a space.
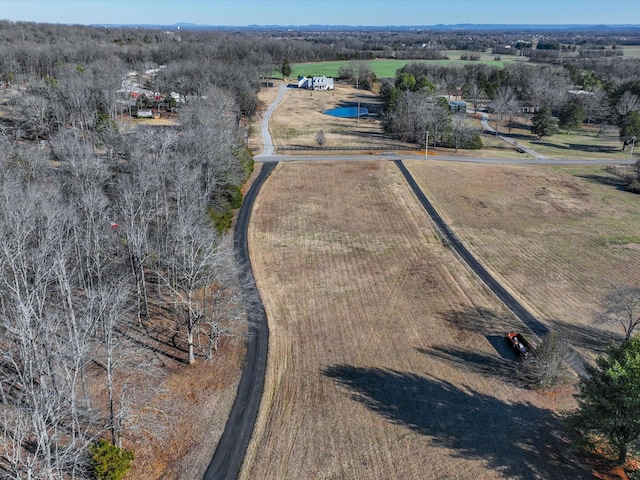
x=558 y=237
x=386 y=356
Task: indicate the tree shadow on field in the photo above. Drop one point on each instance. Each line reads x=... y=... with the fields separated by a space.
x=589 y=337
x=518 y=439
x=503 y=367
x=481 y=320
x=605 y=179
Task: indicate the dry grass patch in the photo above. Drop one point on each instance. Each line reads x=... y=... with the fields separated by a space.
x=299 y=118
x=386 y=356
x=557 y=237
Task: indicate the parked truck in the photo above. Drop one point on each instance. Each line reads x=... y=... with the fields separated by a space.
x=519 y=344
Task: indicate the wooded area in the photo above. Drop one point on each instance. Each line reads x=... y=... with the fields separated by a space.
x=113 y=232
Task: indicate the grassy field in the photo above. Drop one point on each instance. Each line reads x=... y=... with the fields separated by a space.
x=387 y=67
x=386 y=355
x=631 y=51
x=299 y=118
x=557 y=236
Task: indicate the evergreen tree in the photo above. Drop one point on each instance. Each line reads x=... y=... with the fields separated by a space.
x=544 y=124
x=285 y=69
x=572 y=115
x=609 y=400
x=629 y=125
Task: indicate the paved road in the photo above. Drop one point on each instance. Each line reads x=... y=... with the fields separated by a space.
x=267 y=142
x=229 y=455
x=452 y=240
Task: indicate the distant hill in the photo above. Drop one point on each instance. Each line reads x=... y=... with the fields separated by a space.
x=342 y=28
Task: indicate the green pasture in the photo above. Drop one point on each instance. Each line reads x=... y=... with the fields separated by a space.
x=387 y=67
x=631 y=51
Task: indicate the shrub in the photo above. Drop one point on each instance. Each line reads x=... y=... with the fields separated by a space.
x=233 y=194
x=551 y=364
x=221 y=220
x=634 y=186
x=245 y=158
x=109 y=461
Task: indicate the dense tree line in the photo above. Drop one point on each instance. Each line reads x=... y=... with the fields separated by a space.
x=92 y=252
x=108 y=238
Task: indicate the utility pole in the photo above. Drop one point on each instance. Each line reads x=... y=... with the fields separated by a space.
x=426 y=147
x=633 y=143
x=358 y=97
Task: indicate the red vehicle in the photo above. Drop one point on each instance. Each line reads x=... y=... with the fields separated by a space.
x=520 y=344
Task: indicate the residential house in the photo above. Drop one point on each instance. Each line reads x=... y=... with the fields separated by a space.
x=315 y=83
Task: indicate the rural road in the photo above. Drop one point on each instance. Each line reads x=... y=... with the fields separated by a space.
x=267 y=142
x=452 y=241
x=230 y=452
x=488 y=128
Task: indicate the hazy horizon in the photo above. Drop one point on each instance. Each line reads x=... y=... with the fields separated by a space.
x=374 y=13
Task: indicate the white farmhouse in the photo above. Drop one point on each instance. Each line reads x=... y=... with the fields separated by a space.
x=315 y=83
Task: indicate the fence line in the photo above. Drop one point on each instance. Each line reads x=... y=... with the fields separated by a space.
x=363 y=147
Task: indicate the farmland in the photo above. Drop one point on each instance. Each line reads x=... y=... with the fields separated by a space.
x=387 y=358
x=558 y=236
x=387 y=67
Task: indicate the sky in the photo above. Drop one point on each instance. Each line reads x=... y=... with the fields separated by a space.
x=323 y=12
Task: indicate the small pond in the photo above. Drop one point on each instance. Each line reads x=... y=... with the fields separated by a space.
x=347 y=112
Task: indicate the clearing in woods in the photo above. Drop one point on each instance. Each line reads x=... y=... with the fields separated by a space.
x=387 y=357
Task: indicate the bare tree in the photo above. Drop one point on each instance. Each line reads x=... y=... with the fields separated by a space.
x=627 y=103
x=551 y=364
x=474 y=91
x=621 y=306
x=546 y=87
x=504 y=103
x=188 y=272
x=462 y=129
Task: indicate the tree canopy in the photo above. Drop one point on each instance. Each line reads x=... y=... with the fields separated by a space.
x=609 y=400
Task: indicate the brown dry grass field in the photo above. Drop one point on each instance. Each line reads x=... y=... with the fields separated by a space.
x=558 y=237
x=387 y=359
x=299 y=118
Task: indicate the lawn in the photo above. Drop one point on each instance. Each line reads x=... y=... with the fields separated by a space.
x=583 y=144
x=386 y=356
